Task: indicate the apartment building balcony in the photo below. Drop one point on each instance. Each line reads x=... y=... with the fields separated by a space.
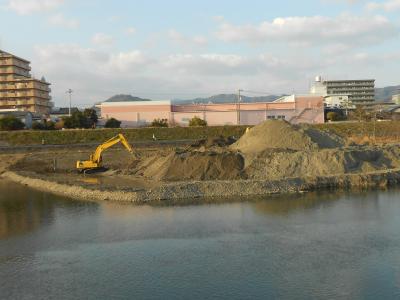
x=349 y=85
x=14 y=71
x=26 y=102
x=14 y=62
x=29 y=85
x=30 y=93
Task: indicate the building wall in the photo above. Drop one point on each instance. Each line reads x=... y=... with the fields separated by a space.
x=18 y=90
x=299 y=109
x=136 y=114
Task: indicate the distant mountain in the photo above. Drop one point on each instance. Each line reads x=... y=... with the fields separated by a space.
x=228 y=98
x=125 y=98
x=386 y=93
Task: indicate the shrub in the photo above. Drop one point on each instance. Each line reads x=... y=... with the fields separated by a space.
x=159 y=123
x=112 y=123
x=77 y=120
x=359 y=114
x=11 y=123
x=332 y=116
x=59 y=125
x=196 y=121
x=38 y=125
x=46 y=125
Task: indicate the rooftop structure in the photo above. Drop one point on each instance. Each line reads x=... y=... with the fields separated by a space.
x=19 y=90
x=345 y=92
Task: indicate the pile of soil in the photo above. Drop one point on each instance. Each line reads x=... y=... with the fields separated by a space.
x=276 y=164
x=279 y=134
x=270 y=151
x=189 y=165
x=213 y=142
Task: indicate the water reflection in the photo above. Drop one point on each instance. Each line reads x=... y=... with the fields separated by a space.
x=24 y=210
x=284 y=205
x=315 y=245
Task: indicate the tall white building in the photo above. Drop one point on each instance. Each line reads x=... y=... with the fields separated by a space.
x=345 y=93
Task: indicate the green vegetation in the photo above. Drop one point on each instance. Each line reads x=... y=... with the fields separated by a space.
x=112 y=123
x=92 y=116
x=196 y=121
x=159 y=123
x=78 y=119
x=74 y=136
x=11 y=123
x=389 y=129
x=332 y=116
x=46 y=125
x=384 y=129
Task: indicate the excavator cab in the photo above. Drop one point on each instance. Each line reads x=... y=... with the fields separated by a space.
x=95 y=161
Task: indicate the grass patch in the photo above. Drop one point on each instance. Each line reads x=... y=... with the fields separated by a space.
x=63 y=137
x=386 y=129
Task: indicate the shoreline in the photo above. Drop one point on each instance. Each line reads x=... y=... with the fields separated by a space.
x=210 y=189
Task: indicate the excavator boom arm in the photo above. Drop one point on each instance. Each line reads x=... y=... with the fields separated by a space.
x=96 y=157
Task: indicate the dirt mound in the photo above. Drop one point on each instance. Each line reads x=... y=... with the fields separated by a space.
x=211 y=142
x=273 y=134
x=192 y=166
x=276 y=164
x=279 y=134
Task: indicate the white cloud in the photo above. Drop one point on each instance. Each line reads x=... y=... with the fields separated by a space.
x=187 y=41
x=26 y=7
x=102 y=39
x=130 y=31
x=114 y=18
x=97 y=73
x=61 y=21
x=315 y=30
x=126 y=61
x=389 y=6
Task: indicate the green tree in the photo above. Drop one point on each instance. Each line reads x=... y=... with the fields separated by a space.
x=11 y=123
x=112 y=123
x=91 y=114
x=196 y=121
x=159 y=123
x=77 y=120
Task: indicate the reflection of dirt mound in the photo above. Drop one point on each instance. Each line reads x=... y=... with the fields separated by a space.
x=192 y=166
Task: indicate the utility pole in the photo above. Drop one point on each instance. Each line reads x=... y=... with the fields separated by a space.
x=239 y=99
x=70 y=98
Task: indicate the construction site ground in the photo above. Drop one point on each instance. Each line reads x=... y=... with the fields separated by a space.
x=273 y=157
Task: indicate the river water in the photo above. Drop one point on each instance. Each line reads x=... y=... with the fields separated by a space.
x=311 y=246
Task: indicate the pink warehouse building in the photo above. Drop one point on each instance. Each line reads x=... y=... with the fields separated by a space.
x=295 y=109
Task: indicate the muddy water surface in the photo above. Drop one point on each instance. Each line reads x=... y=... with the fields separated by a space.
x=313 y=246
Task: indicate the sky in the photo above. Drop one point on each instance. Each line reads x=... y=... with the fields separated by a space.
x=180 y=49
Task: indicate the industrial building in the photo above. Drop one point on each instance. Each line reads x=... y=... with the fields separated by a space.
x=345 y=93
x=19 y=90
x=295 y=109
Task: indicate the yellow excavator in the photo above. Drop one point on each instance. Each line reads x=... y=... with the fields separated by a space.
x=95 y=161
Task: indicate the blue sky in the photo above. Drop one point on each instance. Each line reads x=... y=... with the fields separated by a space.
x=183 y=49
